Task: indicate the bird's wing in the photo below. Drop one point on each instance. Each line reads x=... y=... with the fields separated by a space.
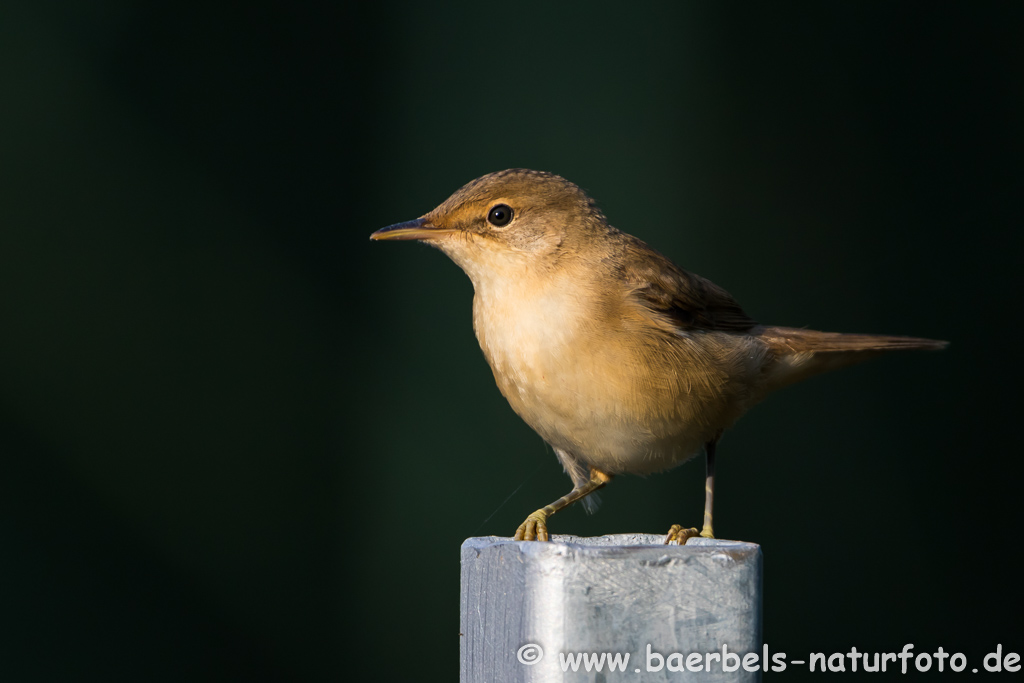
x=688 y=300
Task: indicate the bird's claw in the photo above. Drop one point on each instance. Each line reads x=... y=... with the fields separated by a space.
x=677 y=535
x=535 y=528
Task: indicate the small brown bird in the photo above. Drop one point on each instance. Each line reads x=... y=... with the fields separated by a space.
x=621 y=361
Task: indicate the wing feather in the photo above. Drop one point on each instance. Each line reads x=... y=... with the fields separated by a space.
x=688 y=300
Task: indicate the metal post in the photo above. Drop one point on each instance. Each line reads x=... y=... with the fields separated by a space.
x=531 y=610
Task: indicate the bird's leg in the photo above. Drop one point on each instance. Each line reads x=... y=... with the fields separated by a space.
x=709 y=487
x=535 y=527
x=677 y=534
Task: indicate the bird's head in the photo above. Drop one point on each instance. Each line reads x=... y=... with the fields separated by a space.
x=504 y=222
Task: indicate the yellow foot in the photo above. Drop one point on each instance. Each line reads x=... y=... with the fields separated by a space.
x=535 y=528
x=679 y=536
x=707 y=533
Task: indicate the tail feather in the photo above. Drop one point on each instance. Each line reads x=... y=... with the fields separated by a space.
x=803 y=353
x=793 y=340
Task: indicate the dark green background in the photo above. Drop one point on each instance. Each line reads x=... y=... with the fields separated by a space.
x=240 y=442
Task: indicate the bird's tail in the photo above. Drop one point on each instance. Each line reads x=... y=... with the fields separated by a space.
x=800 y=354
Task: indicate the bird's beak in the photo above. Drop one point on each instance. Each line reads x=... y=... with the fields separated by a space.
x=419 y=229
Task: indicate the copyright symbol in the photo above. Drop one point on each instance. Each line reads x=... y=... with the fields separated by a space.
x=530 y=654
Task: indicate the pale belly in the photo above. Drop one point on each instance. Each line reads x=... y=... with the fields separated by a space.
x=592 y=389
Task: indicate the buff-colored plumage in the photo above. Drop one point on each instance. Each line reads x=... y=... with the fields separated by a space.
x=620 y=360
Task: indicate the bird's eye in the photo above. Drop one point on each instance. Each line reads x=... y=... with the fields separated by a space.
x=500 y=215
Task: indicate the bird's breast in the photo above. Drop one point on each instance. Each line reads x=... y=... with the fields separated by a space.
x=590 y=385
x=529 y=336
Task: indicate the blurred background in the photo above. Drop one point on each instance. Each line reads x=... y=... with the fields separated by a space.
x=240 y=442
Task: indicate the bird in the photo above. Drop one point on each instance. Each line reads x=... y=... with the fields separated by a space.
x=621 y=361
